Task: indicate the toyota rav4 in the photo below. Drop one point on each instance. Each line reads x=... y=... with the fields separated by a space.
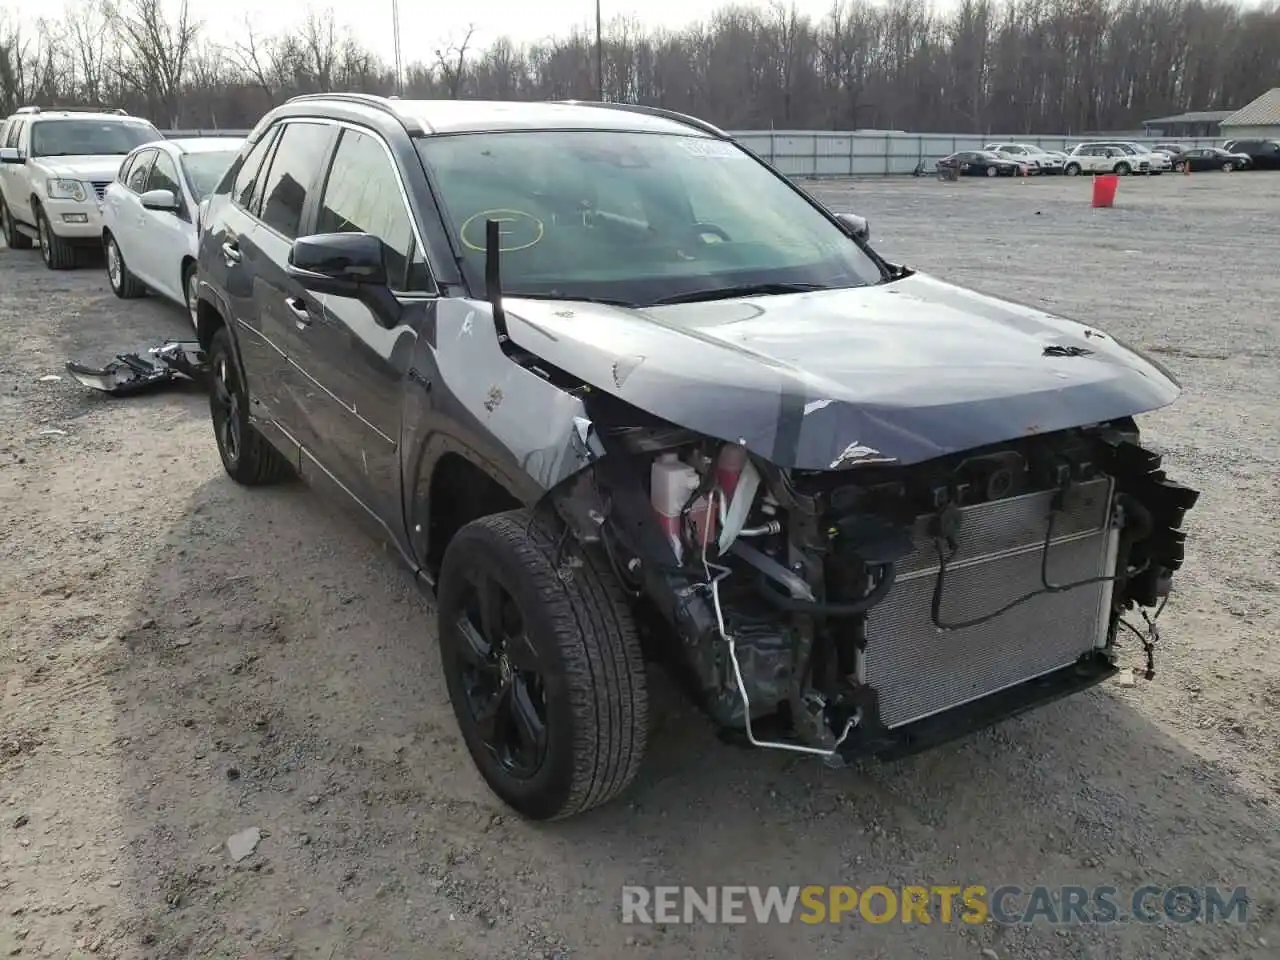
x=617 y=390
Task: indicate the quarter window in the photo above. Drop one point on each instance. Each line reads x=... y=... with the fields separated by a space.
x=293 y=173
x=362 y=195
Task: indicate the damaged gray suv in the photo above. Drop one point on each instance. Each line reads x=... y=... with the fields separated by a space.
x=620 y=392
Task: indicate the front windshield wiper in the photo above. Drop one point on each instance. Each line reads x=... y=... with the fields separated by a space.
x=556 y=296
x=742 y=290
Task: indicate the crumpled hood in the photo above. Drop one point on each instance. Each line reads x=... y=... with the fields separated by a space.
x=82 y=168
x=905 y=371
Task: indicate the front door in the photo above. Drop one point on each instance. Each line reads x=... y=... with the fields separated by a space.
x=354 y=361
x=163 y=235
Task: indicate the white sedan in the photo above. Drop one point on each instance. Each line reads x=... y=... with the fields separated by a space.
x=150 y=219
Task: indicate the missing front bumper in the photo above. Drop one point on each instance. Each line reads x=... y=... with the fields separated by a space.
x=890 y=744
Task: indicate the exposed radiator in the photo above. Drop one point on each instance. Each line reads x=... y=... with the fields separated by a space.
x=918 y=670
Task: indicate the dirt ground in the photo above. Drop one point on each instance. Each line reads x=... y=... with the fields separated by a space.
x=183 y=659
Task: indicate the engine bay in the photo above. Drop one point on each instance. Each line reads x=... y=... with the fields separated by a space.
x=828 y=611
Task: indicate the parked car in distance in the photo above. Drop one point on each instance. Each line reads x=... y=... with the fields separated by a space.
x=1157 y=163
x=1039 y=160
x=1171 y=150
x=150 y=218
x=55 y=165
x=1262 y=154
x=979 y=163
x=572 y=405
x=1103 y=158
x=1211 y=158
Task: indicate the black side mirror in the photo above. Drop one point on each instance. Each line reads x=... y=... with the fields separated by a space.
x=338 y=263
x=855 y=225
x=346 y=265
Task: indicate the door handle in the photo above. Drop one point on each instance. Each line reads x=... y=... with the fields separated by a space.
x=301 y=315
x=231 y=252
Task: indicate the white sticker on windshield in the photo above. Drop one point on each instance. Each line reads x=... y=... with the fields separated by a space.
x=709 y=149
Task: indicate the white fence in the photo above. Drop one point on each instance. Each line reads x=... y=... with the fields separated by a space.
x=821 y=153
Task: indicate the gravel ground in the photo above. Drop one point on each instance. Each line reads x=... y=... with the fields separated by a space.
x=183 y=659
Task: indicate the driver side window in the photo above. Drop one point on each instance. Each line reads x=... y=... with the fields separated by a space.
x=362 y=195
x=164 y=176
x=139 y=171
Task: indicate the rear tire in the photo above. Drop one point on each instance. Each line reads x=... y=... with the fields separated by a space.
x=1072 y=170
x=123 y=283
x=549 y=685
x=56 y=252
x=992 y=171
x=247 y=456
x=14 y=238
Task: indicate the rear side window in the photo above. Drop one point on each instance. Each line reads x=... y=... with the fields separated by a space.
x=295 y=168
x=242 y=188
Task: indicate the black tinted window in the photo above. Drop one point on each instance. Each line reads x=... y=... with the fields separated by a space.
x=137 y=181
x=247 y=177
x=362 y=195
x=164 y=175
x=293 y=171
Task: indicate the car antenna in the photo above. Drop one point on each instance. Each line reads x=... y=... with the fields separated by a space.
x=493 y=276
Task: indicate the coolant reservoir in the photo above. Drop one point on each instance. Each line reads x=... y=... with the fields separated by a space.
x=671 y=483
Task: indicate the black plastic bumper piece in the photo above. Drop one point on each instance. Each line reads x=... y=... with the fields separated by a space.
x=884 y=744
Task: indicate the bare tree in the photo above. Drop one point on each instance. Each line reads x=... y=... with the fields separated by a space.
x=158 y=50
x=452 y=61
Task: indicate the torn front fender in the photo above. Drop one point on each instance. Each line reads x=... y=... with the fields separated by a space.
x=535 y=433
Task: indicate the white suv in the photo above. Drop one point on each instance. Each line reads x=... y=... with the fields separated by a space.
x=54 y=168
x=1037 y=158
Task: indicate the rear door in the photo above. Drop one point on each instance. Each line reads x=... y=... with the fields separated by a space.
x=284 y=308
x=353 y=361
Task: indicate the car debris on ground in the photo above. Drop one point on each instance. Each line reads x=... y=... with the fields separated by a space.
x=130 y=373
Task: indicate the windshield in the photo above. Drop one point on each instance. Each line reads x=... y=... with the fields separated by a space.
x=205 y=169
x=82 y=138
x=633 y=217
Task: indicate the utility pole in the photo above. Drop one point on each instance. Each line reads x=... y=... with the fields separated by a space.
x=395 y=35
x=599 y=56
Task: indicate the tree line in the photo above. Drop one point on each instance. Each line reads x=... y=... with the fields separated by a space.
x=1018 y=66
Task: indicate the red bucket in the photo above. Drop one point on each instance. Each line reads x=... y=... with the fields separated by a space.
x=1104 y=189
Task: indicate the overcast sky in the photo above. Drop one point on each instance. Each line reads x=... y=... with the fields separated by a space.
x=426 y=25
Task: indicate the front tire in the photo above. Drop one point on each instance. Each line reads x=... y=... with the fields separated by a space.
x=247 y=456
x=1122 y=170
x=190 y=290
x=543 y=665
x=14 y=238
x=56 y=252
x=123 y=283
x=1228 y=167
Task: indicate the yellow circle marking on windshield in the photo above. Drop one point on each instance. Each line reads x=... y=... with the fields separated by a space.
x=503 y=217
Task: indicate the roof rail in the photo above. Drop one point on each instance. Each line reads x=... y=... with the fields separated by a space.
x=672 y=115
x=411 y=125
x=99 y=109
